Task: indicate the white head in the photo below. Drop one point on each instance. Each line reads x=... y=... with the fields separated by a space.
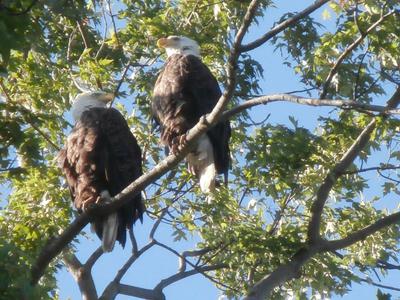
x=87 y=100
x=179 y=45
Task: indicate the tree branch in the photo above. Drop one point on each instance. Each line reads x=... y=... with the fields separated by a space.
x=82 y=276
x=181 y=275
x=93 y=258
x=140 y=292
x=343 y=104
x=362 y=234
x=291 y=269
x=369 y=281
x=287 y=271
x=323 y=192
x=381 y=168
x=347 y=51
x=282 y=26
x=339 y=169
x=112 y=289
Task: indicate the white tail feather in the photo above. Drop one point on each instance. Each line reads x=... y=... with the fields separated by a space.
x=110 y=226
x=201 y=163
x=110 y=230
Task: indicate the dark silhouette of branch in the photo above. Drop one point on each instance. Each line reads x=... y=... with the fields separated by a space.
x=347 y=51
x=282 y=26
x=112 y=289
x=380 y=168
x=369 y=281
x=181 y=275
x=194 y=266
x=387 y=266
x=93 y=258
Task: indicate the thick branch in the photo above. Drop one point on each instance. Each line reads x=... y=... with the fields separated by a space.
x=282 y=26
x=82 y=276
x=331 y=178
x=347 y=51
x=285 y=272
x=362 y=234
x=140 y=292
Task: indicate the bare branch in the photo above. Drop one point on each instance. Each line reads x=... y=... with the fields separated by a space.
x=194 y=266
x=181 y=275
x=387 y=266
x=93 y=258
x=157 y=223
x=139 y=292
x=190 y=253
x=83 y=33
x=112 y=289
x=104 y=35
x=282 y=26
x=82 y=276
x=133 y=258
x=133 y=241
x=347 y=51
x=343 y=104
x=128 y=65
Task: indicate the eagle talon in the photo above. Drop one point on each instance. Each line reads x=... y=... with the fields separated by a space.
x=182 y=141
x=178 y=143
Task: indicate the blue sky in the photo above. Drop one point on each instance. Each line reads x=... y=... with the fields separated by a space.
x=157 y=264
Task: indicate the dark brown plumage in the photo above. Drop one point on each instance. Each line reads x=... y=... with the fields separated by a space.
x=185 y=90
x=101 y=154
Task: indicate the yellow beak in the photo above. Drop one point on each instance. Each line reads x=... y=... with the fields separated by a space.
x=163 y=42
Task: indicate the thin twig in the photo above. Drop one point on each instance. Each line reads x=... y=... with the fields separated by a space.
x=282 y=26
x=347 y=51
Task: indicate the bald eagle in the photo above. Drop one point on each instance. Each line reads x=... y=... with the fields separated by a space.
x=100 y=158
x=184 y=91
